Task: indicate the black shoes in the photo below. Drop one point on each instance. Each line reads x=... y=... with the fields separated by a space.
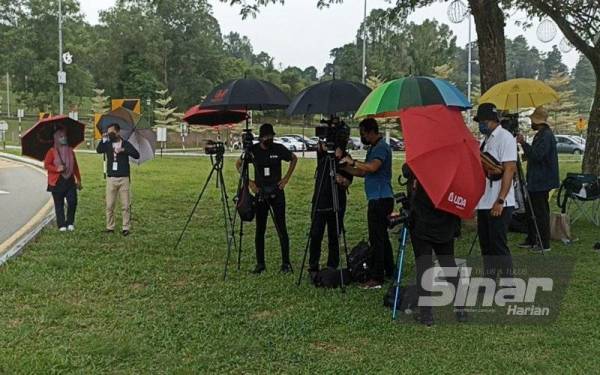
x=260 y=268
x=461 y=315
x=286 y=268
x=425 y=317
x=126 y=233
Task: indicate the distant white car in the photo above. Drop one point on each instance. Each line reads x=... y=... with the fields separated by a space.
x=290 y=143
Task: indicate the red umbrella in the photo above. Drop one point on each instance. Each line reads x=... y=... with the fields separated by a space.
x=39 y=138
x=213 y=117
x=444 y=156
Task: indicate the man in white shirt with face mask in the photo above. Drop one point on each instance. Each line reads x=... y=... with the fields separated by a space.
x=495 y=208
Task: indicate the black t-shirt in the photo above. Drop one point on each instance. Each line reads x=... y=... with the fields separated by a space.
x=325 y=197
x=429 y=223
x=267 y=163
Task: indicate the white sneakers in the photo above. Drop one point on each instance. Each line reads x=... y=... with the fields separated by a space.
x=70 y=228
x=62 y=229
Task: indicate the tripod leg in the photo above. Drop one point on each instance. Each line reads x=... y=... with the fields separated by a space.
x=195 y=205
x=401 y=251
x=229 y=233
x=473 y=244
x=240 y=245
x=527 y=200
x=312 y=221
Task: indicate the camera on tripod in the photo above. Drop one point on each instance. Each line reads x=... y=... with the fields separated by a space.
x=214 y=148
x=247 y=139
x=396 y=218
x=334 y=133
x=510 y=122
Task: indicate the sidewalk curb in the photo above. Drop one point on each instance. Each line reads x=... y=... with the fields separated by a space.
x=17 y=242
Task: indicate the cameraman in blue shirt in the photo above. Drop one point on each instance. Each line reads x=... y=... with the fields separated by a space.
x=377 y=171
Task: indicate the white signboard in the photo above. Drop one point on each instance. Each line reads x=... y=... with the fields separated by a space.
x=161 y=134
x=20 y=113
x=62 y=78
x=3 y=125
x=74 y=115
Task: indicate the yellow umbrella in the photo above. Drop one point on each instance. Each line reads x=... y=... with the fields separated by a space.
x=519 y=93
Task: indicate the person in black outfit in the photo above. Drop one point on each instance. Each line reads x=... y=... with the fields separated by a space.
x=542 y=176
x=323 y=207
x=269 y=186
x=431 y=231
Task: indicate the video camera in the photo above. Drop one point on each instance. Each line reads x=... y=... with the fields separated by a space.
x=510 y=122
x=214 y=148
x=401 y=217
x=334 y=133
x=247 y=139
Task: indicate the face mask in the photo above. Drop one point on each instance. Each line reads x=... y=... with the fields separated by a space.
x=483 y=128
x=62 y=141
x=268 y=142
x=112 y=137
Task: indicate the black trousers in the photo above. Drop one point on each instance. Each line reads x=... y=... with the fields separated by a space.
x=424 y=250
x=322 y=219
x=492 y=231
x=70 y=195
x=275 y=202
x=383 y=257
x=541 y=210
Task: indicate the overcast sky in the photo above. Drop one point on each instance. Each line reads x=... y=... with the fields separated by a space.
x=300 y=34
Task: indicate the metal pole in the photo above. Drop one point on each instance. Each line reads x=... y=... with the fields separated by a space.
x=7 y=94
x=469 y=70
x=60 y=59
x=364 y=46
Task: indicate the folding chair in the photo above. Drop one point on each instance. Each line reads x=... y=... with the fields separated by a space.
x=579 y=195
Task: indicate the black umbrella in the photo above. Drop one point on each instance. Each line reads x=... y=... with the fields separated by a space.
x=39 y=138
x=198 y=115
x=329 y=97
x=246 y=94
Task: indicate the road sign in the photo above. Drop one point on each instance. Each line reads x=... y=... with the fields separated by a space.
x=161 y=134
x=3 y=125
x=20 y=113
x=62 y=78
x=67 y=58
x=581 y=124
x=131 y=104
x=74 y=115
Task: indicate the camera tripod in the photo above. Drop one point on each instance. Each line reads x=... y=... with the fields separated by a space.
x=401 y=250
x=330 y=167
x=217 y=166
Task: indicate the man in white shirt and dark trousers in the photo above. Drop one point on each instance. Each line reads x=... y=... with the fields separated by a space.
x=495 y=208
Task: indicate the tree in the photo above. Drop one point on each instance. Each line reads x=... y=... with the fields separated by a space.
x=163 y=112
x=553 y=63
x=564 y=113
x=521 y=60
x=584 y=83
x=489 y=22
x=579 y=22
x=99 y=102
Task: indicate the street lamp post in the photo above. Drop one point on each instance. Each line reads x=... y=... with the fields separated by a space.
x=61 y=74
x=364 y=46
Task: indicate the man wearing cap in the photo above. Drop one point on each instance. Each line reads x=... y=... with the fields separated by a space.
x=495 y=208
x=542 y=176
x=269 y=186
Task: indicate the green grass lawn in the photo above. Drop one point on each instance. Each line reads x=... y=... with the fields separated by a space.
x=87 y=302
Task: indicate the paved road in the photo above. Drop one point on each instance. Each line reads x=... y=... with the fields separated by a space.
x=22 y=195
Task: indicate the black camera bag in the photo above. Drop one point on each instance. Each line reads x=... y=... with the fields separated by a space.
x=330 y=278
x=245 y=204
x=359 y=262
